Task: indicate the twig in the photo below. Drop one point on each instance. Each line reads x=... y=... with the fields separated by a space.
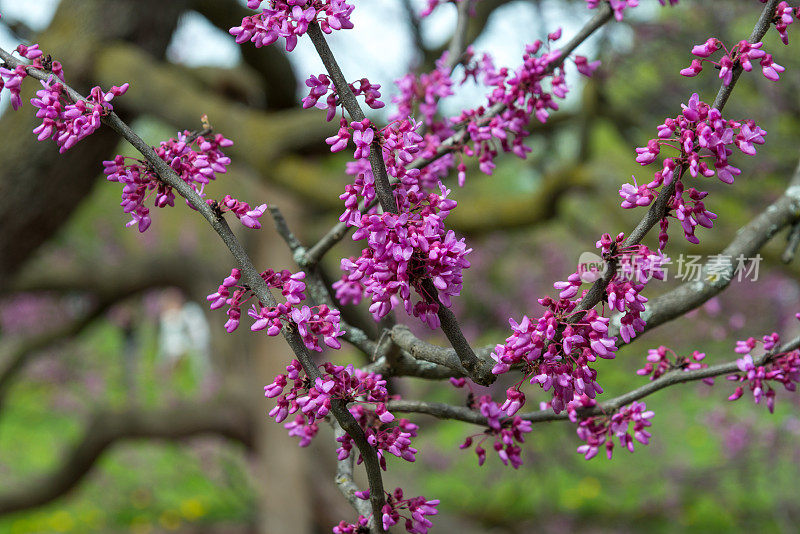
x=458 y=41
x=792 y=242
x=344 y=479
x=447 y=411
x=283 y=230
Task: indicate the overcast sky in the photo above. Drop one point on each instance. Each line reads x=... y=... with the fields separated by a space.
x=379 y=45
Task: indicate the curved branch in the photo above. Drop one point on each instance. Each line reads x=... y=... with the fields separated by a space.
x=107 y=287
x=16 y=353
x=443 y=357
x=447 y=411
x=260 y=137
x=228 y=419
x=344 y=478
x=271 y=63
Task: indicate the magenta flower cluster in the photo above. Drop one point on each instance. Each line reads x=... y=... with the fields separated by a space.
x=417 y=507
x=744 y=54
x=403 y=251
x=424 y=91
x=11 y=79
x=555 y=350
x=63 y=120
x=601 y=430
x=196 y=159
x=499 y=125
x=507 y=432
x=68 y=123
x=663 y=360
x=313 y=400
x=394 y=439
x=520 y=94
x=365 y=391
x=290 y=19
x=703 y=140
x=322 y=86
x=393 y=512
x=782 y=368
x=784 y=16
x=247 y=216
x=311 y=322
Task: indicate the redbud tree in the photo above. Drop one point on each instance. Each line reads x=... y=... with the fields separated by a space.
x=396 y=206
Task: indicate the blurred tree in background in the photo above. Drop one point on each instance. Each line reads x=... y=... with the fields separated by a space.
x=123 y=409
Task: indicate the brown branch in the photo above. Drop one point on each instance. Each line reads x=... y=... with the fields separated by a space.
x=271 y=63
x=15 y=354
x=228 y=419
x=106 y=287
x=460 y=413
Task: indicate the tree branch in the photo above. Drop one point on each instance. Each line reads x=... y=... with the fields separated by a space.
x=107 y=287
x=344 y=479
x=229 y=419
x=458 y=43
x=447 y=411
